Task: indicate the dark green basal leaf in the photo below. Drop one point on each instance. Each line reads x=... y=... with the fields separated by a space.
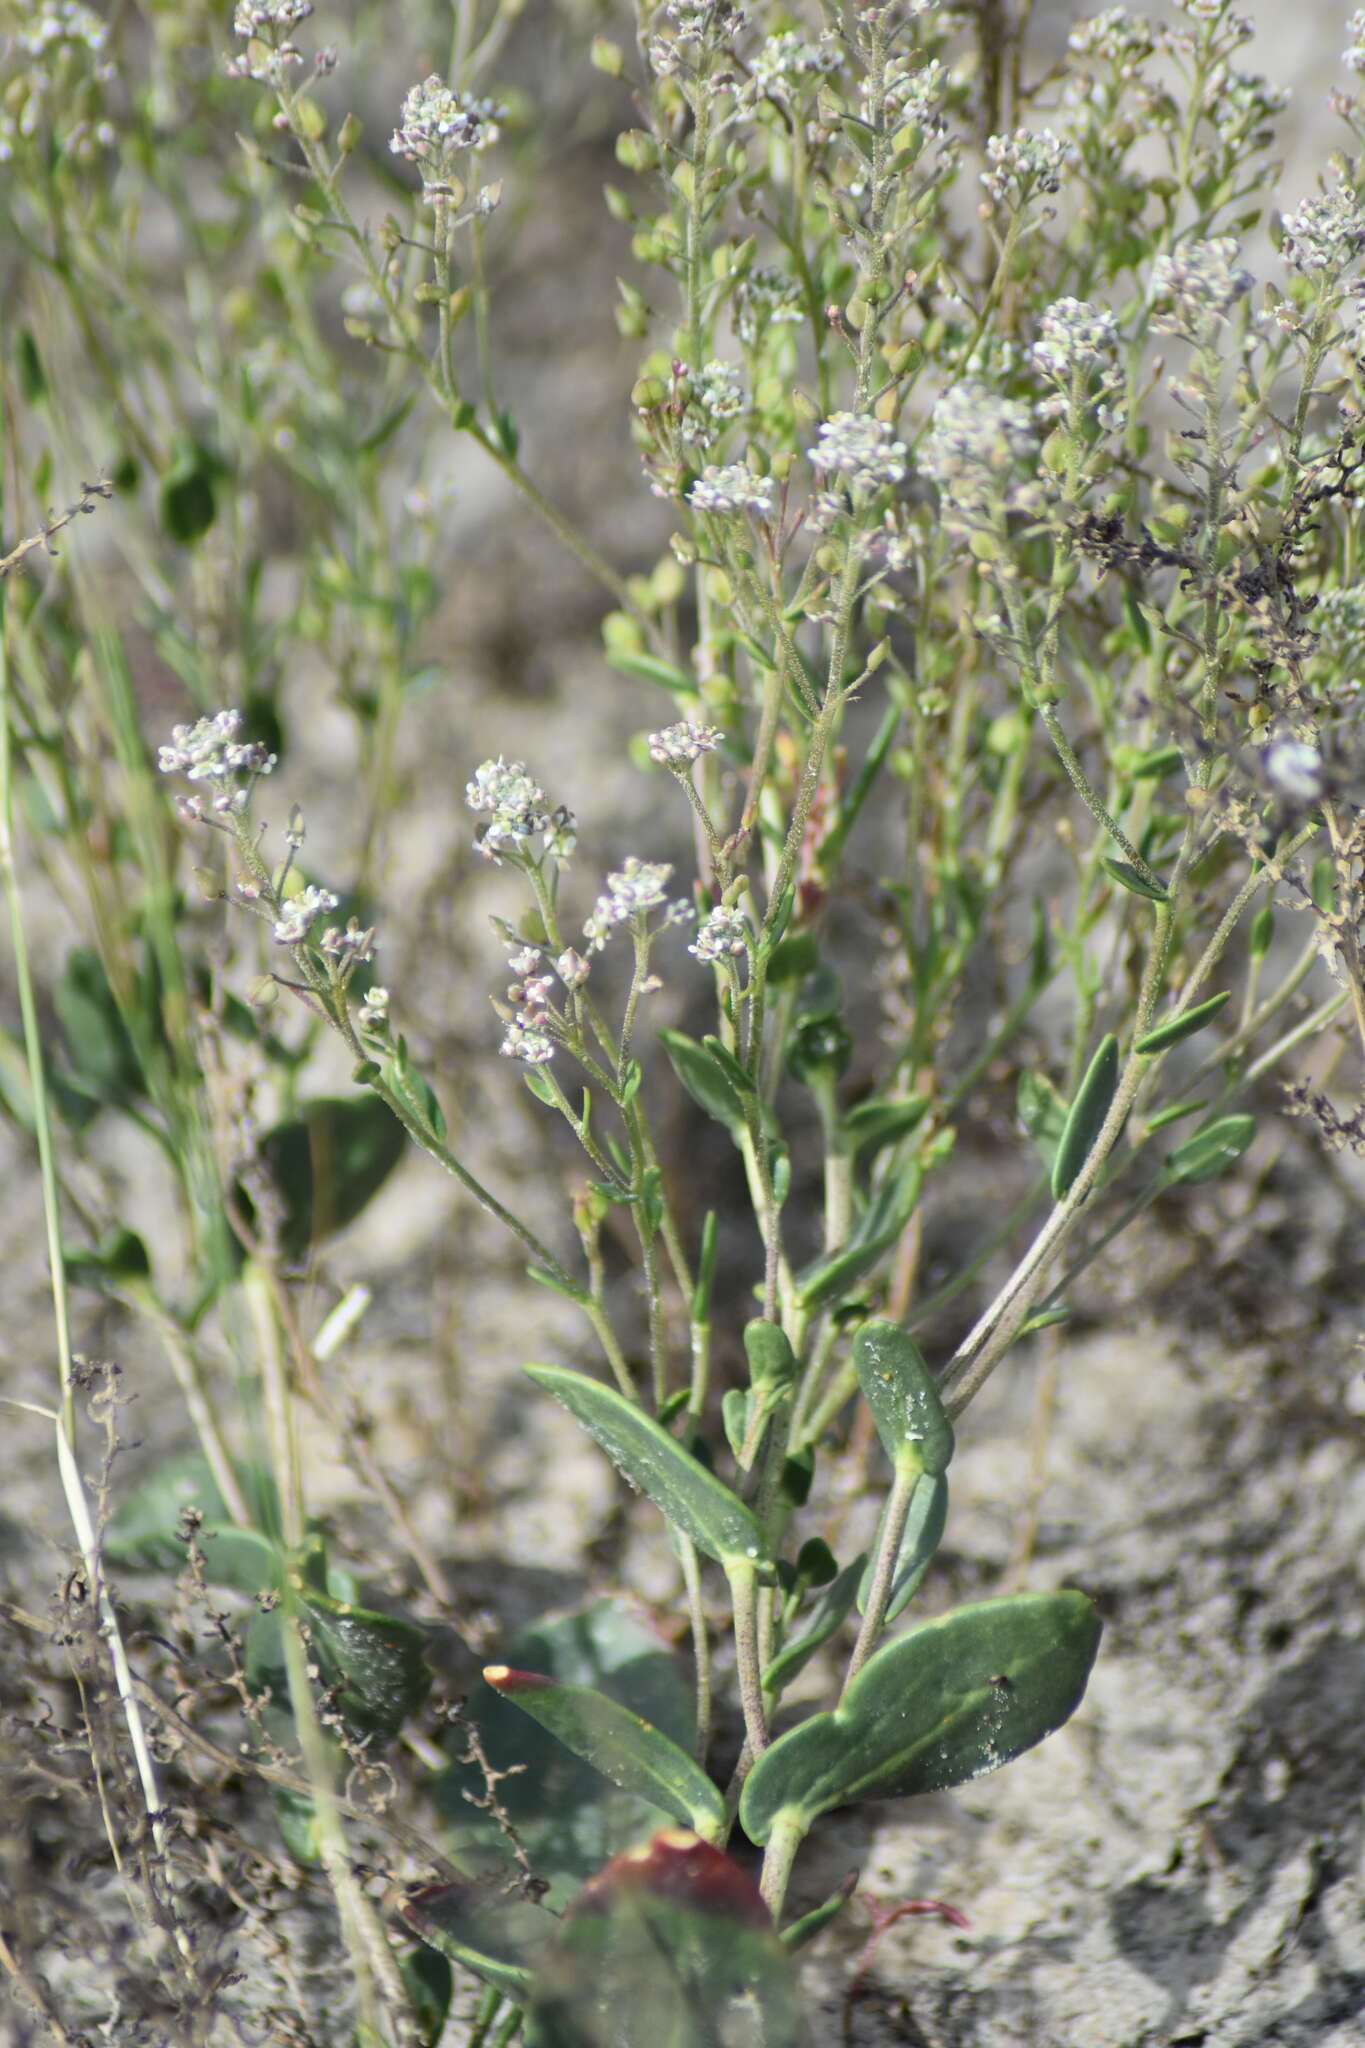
x=119 y=1257
x=670 y=1945
x=482 y=1926
x=143 y=1535
x=947 y=1702
x=923 y=1532
x=189 y=497
x=828 y=1613
x=1183 y=1026
x=568 y=1817
x=1206 y=1152
x=372 y=1666
x=104 y=1066
x=429 y=1982
x=706 y=1081
x=899 y=1389
x=1086 y=1116
x=1133 y=880
x=686 y=1494
x=619 y=1744
x=328 y=1163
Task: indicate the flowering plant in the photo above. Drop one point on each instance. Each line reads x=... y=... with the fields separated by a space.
x=1005 y=615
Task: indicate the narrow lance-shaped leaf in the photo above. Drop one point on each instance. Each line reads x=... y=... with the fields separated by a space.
x=1085 y=1118
x=944 y=1703
x=706 y=1080
x=688 y=1496
x=823 y=1618
x=621 y=1745
x=1183 y=1026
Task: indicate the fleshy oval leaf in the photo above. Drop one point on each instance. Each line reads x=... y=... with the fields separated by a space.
x=946 y=1702
x=900 y=1391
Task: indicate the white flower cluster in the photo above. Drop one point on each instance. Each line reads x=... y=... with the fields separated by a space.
x=716 y=396
x=61 y=90
x=1197 y=287
x=976 y=441
x=439 y=126
x=861 y=449
x=764 y=298
x=1024 y=165
x=784 y=63
x=264 y=26
x=637 y=888
x=913 y=91
x=678 y=746
x=1325 y=233
x=733 y=489
x=209 y=751
x=300 y=914
x=1115 y=37
x=518 y=811
x=1354 y=54
x=720 y=934
x=1074 y=337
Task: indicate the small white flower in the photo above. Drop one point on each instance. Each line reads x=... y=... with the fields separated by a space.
x=733 y=489
x=1197 y=287
x=721 y=932
x=301 y=913
x=1325 y=233
x=534 y=1047
x=374 y=1010
x=679 y=745
x=861 y=448
x=1024 y=164
x=572 y=969
x=210 y=751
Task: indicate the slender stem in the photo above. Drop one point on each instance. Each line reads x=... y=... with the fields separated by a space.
x=894 y=1517
x=744 y=1594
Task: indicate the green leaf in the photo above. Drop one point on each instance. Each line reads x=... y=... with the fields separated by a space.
x=687 y=1495
x=945 y=1703
x=923 y=1532
x=483 y=1927
x=772 y=1361
x=1183 y=1026
x=824 y=1617
x=651 y=669
x=899 y=1389
x=568 y=1818
x=706 y=1081
x=1133 y=880
x=810 y=1924
x=144 y=1533
x=1085 y=1118
x=1042 y=1113
x=872 y=1126
x=1173 y=1113
x=1208 y=1150
x=619 y=1744
x=372 y=1666
x=429 y=1982
x=671 y=1945
x=877 y=1229
x=104 y=1066
x=328 y=1163
x=189 y=499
